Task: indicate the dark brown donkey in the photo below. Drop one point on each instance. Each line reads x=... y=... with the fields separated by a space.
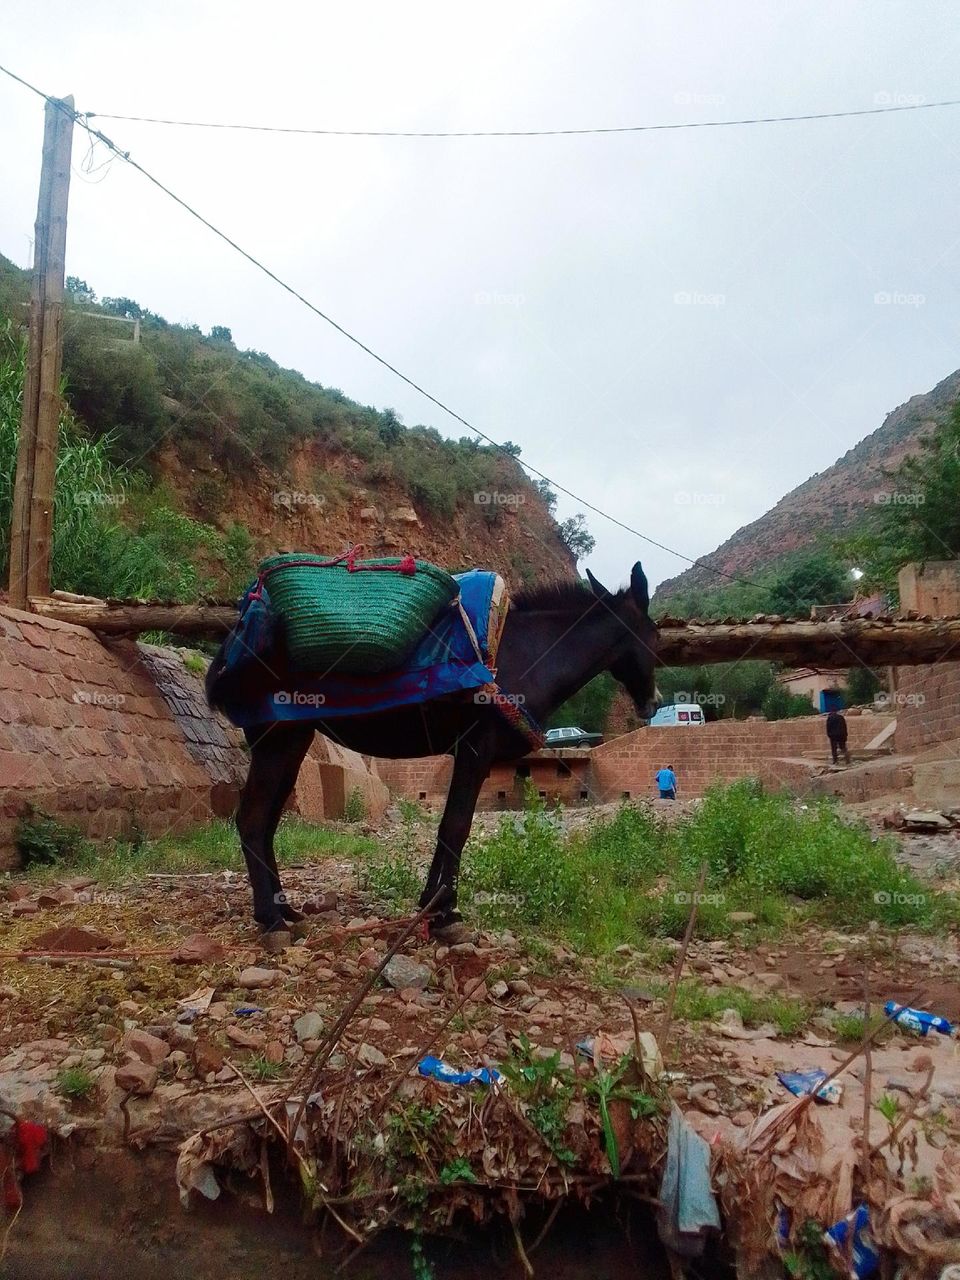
x=555 y=640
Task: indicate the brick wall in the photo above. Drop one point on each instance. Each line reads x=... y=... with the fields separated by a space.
x=85 y=736
x=928 y=708
x=115 y=737
x=932 y=588
x=720 y=751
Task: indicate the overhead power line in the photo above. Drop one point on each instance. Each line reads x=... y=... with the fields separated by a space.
x=78 y=117
x=525 y=133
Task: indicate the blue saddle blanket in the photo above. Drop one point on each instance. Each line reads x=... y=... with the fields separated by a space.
x=444 y=662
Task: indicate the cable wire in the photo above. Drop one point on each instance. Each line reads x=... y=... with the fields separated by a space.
x=526 y=133
x=78 y=118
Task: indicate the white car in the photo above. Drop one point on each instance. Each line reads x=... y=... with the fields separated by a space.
x=683 y=714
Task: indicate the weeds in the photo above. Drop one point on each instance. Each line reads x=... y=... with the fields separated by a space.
x=696 y=1003
x=262 y=1068
x=546 y=1089
x=355 y=808
x=42 y=841
x=75 y=1083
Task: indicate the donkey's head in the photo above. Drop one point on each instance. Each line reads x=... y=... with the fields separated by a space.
x=636 y=646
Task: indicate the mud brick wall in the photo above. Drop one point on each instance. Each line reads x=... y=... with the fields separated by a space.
x=928 y=708
x=85 y=736
x=115 y=738
x=720 y=751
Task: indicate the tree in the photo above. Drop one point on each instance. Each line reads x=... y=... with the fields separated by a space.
x=80 y=291
x=576 y=536
x=514 y=450
x=781 y=704
x=123 y=307
x=220 y=333
x=863 y=685
x=547 y=495
x=390 y=427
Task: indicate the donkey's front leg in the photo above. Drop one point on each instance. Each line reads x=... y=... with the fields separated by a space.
x=471 y=764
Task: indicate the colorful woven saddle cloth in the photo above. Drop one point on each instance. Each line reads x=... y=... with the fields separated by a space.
x=456 y=654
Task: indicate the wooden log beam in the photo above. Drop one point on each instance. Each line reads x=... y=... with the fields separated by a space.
x=130 y=618
x=844 y=643
x=876 y=642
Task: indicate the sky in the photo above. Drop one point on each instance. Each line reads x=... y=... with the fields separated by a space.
x=678 y=326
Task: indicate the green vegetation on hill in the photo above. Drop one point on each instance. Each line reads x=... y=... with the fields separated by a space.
x=114 y=534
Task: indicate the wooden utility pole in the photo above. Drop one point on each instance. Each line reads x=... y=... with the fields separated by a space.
x=31 y=535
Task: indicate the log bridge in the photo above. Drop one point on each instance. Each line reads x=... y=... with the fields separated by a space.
x=878 y=642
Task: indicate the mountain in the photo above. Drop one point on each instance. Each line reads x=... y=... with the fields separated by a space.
x=830 y=502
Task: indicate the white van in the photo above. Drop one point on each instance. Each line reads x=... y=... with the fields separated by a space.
x=683 y=714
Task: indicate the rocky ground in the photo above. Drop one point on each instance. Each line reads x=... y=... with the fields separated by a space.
x=135 y=1016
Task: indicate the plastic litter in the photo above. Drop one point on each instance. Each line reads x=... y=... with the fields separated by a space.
x=247 y=1010
x=603 y=1046
x=851 y=1238
x=688 y=1205
x=801 y=1083
x=917 y=1020
x=437 y=1069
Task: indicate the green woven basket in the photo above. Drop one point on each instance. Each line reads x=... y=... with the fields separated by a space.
x=354 y=620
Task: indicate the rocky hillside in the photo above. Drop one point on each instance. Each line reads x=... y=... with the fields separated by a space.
x=223 y=447
x=830 y=502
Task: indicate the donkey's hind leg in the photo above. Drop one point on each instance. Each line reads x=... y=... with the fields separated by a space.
x=276 y=753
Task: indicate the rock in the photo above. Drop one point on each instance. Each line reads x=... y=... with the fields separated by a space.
x=741 y=917
x=369 y=958
x=72 y=938
x=926 y=820
x=519 y=987
x=136 y=1077
x=182 y=1037
x=25 y=908
x=529 y=1003
x=742 y=1119
x=312 y=1046
x=319 y=905
x=245 y=1039
x=771 y=981
x=370 y=1056
x=702 y=1089
x=308 y=1027
x=402 y=973
x=145 y=1047
x=499 y=990
x=18 y=892
x=7 y=993
x=199 y=948
x=254 y=978
x=61 y=896
x=273 y=1051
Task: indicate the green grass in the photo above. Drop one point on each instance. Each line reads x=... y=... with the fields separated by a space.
x=630 y=877
x=213 y=847
x=696 y=1003
x=75 y=1083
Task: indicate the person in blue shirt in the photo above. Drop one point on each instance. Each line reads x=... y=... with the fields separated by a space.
x=666 y=781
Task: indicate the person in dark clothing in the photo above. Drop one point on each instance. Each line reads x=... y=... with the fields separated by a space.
x=837 y=733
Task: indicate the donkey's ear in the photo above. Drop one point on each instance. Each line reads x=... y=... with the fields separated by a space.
x=599 y=590
x=638 y=587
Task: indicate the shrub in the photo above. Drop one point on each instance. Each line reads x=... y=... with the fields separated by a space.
x=42 y=841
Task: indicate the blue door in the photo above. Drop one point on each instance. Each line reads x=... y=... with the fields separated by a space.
x=831 y=700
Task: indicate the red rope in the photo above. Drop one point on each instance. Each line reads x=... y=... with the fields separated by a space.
x=407 y=565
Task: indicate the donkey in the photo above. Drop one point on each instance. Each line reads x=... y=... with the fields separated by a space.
x=556 y=638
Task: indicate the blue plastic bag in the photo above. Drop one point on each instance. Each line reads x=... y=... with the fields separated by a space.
x=437 y=1069
x=861 y=1249
x=916 y=1020
x=804 y=1082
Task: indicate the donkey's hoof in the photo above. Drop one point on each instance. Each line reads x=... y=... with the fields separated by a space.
x=453 y=933
x=276 y=940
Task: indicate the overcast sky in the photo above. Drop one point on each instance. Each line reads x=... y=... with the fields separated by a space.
x=679 y=326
